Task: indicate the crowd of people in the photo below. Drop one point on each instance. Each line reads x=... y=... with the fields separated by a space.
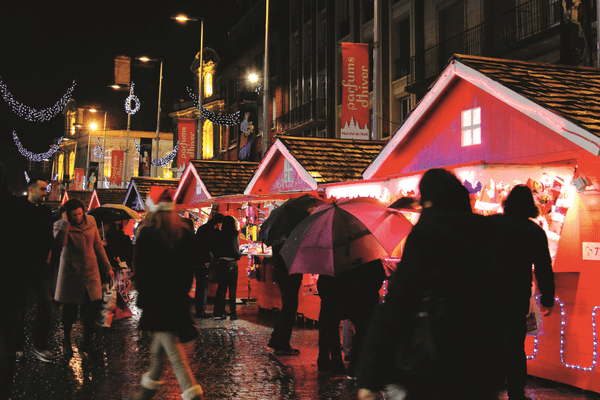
x=477 y=270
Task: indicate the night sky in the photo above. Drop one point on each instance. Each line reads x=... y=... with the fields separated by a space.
x=43 y=48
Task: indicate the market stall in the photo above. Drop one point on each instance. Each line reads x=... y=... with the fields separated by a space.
x=295 y=166
x=497 y=123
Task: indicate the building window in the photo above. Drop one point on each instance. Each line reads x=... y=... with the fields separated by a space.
x=471 y=127
x=208 y=85
x=405 y=109
x=207 y=141
x=288 y=172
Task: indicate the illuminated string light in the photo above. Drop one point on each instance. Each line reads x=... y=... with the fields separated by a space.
x=36 y=157
x=132 y=98
x=26 y=177
x=98 y=151
x=563 y=324
x=217 y=119
x=31 y=114
x=161 y=161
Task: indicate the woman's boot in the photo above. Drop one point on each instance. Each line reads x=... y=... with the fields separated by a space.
x=193 y=393
x=147 y=390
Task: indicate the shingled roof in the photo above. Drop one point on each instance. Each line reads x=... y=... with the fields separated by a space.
x=82 y=195
x=333 y=160
x=223 y=178
x=570 y=91
x=143 y=184
x=111 y=196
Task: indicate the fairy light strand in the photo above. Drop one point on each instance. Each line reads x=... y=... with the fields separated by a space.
x=217 y=119
x=161 y=161
x=31 y=114
x=563 y=324
x=36 y=157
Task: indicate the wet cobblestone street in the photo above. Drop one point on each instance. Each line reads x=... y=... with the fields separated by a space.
x=230 y=360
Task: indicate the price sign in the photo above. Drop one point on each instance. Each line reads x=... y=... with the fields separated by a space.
x=591 y=250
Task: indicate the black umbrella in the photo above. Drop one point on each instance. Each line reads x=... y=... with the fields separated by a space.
x=283 y=219
x=113 y=212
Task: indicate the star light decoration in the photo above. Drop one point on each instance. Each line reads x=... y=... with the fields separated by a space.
x=132 y=98
x=31 y=114
x=217 y=119
x=161 y=161
x=563 y=324
x=36 y=157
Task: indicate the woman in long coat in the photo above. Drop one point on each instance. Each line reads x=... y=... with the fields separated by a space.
x=83 y=268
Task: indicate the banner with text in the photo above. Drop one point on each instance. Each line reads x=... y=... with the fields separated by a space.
x=355 y=91
x=187 y=142
x=78 y=178
x=116 y=167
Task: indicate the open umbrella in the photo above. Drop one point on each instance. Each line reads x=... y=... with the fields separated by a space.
x=339 y=236
x=280 y=222
x=113 y=212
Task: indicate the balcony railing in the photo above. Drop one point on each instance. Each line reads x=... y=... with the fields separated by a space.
x=490 y=38
x=315 y=110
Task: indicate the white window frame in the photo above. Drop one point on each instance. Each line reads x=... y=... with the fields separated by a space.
x=470 y=122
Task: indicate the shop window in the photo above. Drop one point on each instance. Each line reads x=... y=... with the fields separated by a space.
x=471 y=127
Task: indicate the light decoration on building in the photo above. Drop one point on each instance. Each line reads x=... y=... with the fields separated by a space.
x=132 y=98
x=161 y=161
x=217 y=119
x=36 y=157
x=98 y=151
x=563 y=324
x=31 y=114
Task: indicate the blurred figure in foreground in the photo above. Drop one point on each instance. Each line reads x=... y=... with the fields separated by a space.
x=522 y=243
x=164 y=267
x=83 y=268
x=445 y=254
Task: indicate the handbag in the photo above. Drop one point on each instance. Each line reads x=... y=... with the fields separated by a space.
x=419 y=351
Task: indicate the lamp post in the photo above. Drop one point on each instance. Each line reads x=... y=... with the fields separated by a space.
x=103 y=144
x=147 y=59
x=182 y=19
x=265 y=138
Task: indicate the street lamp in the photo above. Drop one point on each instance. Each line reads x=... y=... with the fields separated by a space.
x=147 y=59
x=181 y=18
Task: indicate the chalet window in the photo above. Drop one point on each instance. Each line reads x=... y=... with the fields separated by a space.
x=288 y=172
x=471 y=127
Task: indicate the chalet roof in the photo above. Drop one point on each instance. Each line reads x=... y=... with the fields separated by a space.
x=570 y=91
x=82 y=195
x=223 y=178
x=333 y=160
x=111 y=196
x=143 y=184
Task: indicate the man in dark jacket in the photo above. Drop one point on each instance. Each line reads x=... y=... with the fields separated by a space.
x=38 y=218
x=445 y=254
x=204 y=249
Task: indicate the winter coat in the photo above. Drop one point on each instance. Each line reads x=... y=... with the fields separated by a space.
x=83 y=261
x=522 y=243
x=163 y=279
x=448 y=254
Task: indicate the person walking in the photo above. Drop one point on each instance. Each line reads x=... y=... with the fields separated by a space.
x=329 y=358
x=227 y=253
x=444 y=255
x=38 y=218
x=83 y=268
x=205 y=247
x=521 y=244
x=163 y=261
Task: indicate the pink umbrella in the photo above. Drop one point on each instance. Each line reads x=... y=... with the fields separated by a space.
x=345 y=234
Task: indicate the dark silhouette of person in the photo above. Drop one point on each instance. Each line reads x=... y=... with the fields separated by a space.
x=521 y=243
x=227 y=253
x=289 y=286
x=445 y=255
x=38 y=217
x=205 y=241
